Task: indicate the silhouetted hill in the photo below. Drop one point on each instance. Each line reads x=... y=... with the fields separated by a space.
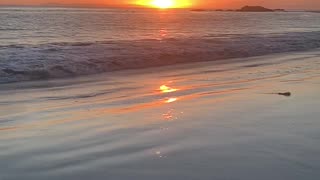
x=255 y=9
x=252 y=9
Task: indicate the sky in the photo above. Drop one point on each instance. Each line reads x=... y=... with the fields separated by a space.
x=286 y=4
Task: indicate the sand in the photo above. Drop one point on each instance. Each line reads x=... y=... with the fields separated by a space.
x=214 y=120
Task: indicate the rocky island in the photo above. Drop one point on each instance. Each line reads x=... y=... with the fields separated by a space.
x=255 y=9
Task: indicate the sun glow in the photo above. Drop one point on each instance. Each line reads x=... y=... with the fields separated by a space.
x=164 y=4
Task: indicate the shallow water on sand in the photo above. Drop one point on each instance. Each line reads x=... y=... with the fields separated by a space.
x=218 y=120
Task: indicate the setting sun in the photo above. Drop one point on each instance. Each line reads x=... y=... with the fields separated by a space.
x=164 y=4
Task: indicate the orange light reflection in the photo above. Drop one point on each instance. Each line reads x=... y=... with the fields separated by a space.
x=171 y=100
x=163 y=34
x=166 y=89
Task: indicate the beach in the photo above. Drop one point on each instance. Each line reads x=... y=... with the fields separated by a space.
x=204 y=120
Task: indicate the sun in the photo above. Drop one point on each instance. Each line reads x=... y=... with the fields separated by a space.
x=163 y=4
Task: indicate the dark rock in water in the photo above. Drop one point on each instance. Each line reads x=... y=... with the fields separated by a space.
x=285 y=94
x=279 y=10
x=255 y=9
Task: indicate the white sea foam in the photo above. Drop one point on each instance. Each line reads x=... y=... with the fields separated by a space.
x=58 y=60
x=222 y=121
x=43 y=43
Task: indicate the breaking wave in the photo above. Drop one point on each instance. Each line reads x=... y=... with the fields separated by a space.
x=59 y=60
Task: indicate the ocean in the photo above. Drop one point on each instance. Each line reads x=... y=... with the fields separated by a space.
x=44 y=43
x=138 y=94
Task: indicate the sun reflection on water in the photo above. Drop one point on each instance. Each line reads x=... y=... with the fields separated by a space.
x=168 y=116
x=163 y=33
x=167 y=89
x=171 y=100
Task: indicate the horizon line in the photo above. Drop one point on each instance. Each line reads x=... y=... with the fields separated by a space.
x=127 y=6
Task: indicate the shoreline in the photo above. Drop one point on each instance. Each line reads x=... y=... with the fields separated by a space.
x=65 y=61
x=189 y=65
x=168 y=121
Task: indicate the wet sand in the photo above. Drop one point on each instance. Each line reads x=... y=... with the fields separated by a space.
x=213 y=120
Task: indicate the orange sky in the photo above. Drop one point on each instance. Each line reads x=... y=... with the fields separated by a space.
x=288 y=4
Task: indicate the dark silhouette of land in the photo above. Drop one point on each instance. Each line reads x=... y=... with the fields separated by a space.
x=255 y=9
x=244 y=9
x=199 y=10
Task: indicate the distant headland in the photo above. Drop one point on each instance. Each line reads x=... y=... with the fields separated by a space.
x=245 y=9
x=257 y=9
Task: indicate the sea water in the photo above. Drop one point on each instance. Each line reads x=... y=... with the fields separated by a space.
x=43 y=43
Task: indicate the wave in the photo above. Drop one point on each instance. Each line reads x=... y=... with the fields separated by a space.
x=59 y=60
